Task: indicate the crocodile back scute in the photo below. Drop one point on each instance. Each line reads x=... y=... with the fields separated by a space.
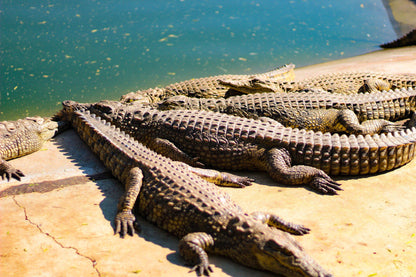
x=170 y=193
x=352 y=82
x=388 y=105
x=218 y=137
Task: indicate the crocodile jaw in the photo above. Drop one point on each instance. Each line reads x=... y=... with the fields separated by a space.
x=276 y=251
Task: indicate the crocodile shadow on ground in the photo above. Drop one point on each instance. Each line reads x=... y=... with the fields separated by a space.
x=94 y=171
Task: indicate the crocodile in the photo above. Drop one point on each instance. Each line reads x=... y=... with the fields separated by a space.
x=291 y=156
x=204 y=218
x=204 y=87
x=407 y=40
x=342 y=82
x=22 y=137
x=315 y=110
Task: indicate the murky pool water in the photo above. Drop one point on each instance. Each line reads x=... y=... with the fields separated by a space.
x=92 y=50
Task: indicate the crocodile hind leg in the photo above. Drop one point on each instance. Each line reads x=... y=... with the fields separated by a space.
x=8 y=171
x=125 y=219
x=347 y=121
x=192 y=248
x=276 y=222
x=278 y=165
x=336 y=121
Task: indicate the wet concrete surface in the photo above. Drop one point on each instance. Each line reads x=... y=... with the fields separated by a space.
x=58 y=220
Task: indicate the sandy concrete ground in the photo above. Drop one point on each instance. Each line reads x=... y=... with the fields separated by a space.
x=58 y=220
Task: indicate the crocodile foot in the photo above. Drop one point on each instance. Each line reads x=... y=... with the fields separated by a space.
x=219 y=178
x=192 y=249
x=7 y=171
x=125 y=223
x=278 y=165
x=325 y=185
x=231 y=180
x=202 y=269
x=392 y=127
x=274 y=221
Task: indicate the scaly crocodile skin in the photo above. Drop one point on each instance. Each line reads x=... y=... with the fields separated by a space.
x=176 y=200
x=290 y=156
x=343 y=82
x=204 y=87
x=316 y=110
x=22 y=137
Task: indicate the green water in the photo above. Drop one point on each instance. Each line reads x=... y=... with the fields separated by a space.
x=92 y=50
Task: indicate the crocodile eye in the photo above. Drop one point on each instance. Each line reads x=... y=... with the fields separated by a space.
x=273 y=246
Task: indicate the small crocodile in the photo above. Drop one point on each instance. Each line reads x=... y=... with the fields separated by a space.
x=315 y=110
x=204 y=87
x=342 y=82
x=205 y=219
x=407 y=40
x=22 y=137
x=290 y=156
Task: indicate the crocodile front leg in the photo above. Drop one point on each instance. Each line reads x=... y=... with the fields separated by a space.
x=192 y=248
x=278 y=165
x=125 y=219
x=8 y=171
x=223 y=179
x=170 y=150
x=274 y=221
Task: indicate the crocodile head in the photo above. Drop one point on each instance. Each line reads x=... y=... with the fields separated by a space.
x=45 y=127
x=27 y=135
x=262 y=247
x=249 y=85
x=175 y=103
x=68 y=107
x=48 y=127
x=119 y=113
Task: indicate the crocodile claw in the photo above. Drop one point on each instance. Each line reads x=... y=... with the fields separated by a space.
x=237 y=181
x=325 y=185
x=125 y=223
x=392 y=127
x=202 y=269
x=299 y=230
x=10 y=172
x=244 y=181
x=194 y=161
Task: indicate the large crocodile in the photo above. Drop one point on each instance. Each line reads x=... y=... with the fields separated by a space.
x=204 y=218
x=290 y=156
x=316 y=110
x=342 y=82
x=204 y=87
x=22 y=137
x=407 y=40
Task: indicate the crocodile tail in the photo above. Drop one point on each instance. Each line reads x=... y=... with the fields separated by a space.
x=344 y=154
x=407 y=40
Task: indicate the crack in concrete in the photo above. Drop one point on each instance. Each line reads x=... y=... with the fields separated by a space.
x=92 y=260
